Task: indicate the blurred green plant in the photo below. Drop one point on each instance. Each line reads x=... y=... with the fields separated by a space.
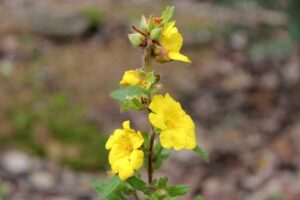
x=3 y=191
x=94 y=16
x=294 y=19
x=58 y=129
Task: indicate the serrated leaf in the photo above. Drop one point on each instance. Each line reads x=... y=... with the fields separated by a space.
x=178 y=190
x=137 y=183
x=201 y=153
x=129 y=92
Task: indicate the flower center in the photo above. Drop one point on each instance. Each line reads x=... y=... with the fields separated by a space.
x=128 y=147
x=170 y=124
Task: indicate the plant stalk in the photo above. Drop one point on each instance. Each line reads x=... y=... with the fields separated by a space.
x=150 y=157
x=148 y=68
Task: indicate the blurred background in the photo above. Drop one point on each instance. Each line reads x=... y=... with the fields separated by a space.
x=60 y=59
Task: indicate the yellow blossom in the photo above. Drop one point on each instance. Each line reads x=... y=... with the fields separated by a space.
x=177 y=128
x=130 y=78
x=171 y=41
x=125 y=156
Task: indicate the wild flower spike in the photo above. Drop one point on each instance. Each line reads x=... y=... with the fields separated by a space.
x=177 y=128
x=125 y=156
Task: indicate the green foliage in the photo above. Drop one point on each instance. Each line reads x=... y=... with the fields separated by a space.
x=109 y=191
x=201 y=153
x=271 y=49
x=78 y=143
x=138 y=184
x=161 y=155
x=167 y=14
x=133 y=104
x=129 y=93
x=178 y=190
x=93 y=15
x=294 y=19
x=3 y=191
x=199 y=197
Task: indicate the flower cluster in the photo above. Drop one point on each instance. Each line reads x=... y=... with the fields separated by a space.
x=171 y=126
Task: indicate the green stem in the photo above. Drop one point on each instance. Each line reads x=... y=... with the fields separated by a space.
x=147 y=65
x=150 y=157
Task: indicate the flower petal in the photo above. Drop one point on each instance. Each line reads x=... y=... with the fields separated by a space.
x=157 y=120
x=136 y=159
x=136 y=139
x=178 y=56
x=172 y=42
x=130 y=77
x=113 y=138
x=166 y=139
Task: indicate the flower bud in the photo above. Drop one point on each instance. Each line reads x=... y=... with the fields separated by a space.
x=143 y=24
x=136 y=39
x=162 y=193
x=155 y=34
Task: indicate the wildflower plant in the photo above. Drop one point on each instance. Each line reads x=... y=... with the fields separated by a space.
x=171 y=128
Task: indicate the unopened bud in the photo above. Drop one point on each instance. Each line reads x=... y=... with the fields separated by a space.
x=143 y=24
x=155 y=34
x=136 y=39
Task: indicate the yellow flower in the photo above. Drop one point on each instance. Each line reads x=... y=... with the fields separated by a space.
x=171 y=41
x=125 y=156
x=130 y=78
x=177 y=128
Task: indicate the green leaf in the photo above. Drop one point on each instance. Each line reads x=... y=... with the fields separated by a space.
x=199 y=197
x=167 y=14
x=201 y=153
x=137 y=183
x=146 y=140
x=129 y=92
x=151 y=23
x=3 y=191
x=178 y=190
x=154 y=197
x=133 y=104
x=162 y=182
x=107 y=193
x=162 y=155
x=111 y=186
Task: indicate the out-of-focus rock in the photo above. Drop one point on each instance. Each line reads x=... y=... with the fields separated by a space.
x=42 y=180
x=56 y=23
x=16 y=163
x=239 y=40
